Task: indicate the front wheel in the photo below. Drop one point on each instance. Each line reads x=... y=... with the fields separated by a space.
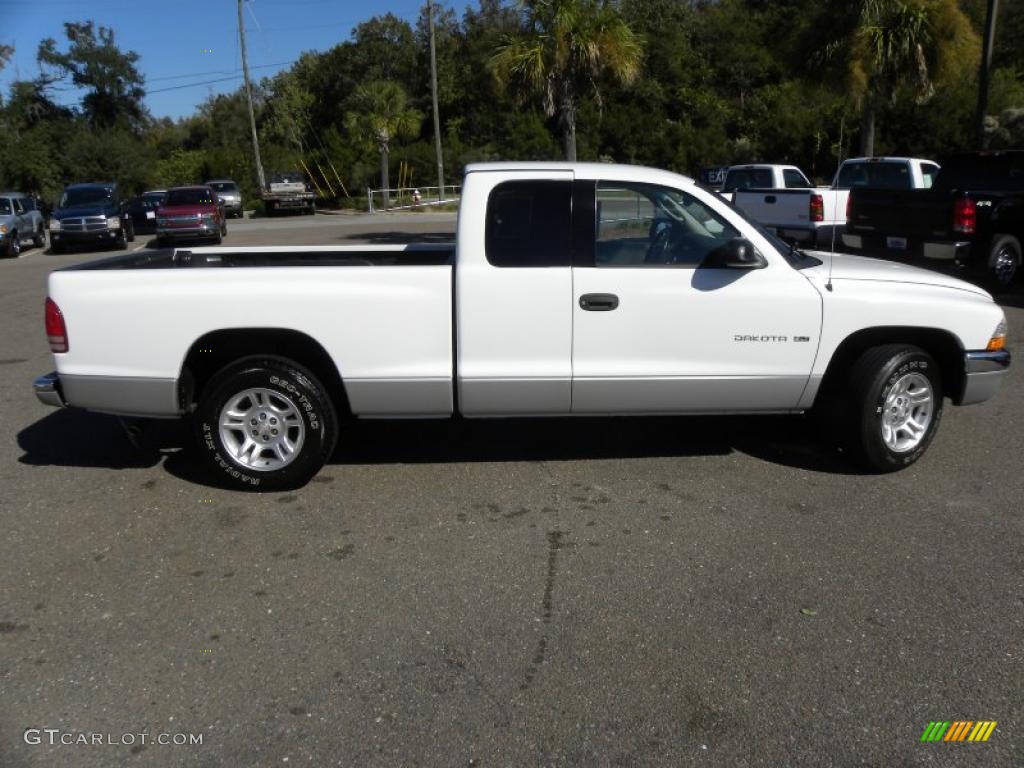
x=895 y=402
x=14 y=245
x=39 y=239
x=265 y=424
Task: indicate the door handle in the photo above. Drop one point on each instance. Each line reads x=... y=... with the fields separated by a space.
x=599 y=302
x=770 y=199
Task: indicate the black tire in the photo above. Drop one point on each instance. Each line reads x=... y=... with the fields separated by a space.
x=872 y=379
x=131 y=232
x=56 y=247
x=121 y=241
x=287 y=384
x=218 y=238
x=162 y=242
x=13 y=249
x=39 y=239
x=1004 y=262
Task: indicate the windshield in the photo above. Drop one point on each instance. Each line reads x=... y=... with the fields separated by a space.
x=747 y=178
x=891 y=175
x=152 y=199
x=224 y=186
x=197 y=196
x=86 y=196
x=287 y=177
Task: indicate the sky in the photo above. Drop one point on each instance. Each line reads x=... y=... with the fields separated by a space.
x=185 y=42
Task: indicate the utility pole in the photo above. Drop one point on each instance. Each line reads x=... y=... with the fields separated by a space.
x=986 y=65
x=433 y=96
x=248 y=91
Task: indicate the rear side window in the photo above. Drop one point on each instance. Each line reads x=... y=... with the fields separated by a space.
x=748 y=178
x=794 y=179
x=874 y=175
x=928 y=173
x=529 y=224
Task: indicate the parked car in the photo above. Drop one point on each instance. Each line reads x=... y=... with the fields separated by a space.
x=90 y=214
x=190 y=213
x=817 y=217
x=763 y=176
x=20 y=222
x=973 y=216
x=574 y=289
x=288 y=191
x=142 y=211
x=230 y=193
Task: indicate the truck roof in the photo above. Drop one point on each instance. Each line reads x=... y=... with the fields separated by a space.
x=887 y=159
x=91 y=185
x=587 y=171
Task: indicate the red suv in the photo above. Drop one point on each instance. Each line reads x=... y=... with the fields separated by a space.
x=190 y=213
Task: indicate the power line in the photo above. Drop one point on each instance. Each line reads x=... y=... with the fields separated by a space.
x=215 y=72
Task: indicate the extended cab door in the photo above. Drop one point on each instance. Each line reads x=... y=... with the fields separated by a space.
x=655 y=331
x=514 y=293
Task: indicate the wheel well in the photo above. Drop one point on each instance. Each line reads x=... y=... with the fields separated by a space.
x=216 y=349
x=941 y=345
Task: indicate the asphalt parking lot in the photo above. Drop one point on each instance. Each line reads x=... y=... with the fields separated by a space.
x=625 y=592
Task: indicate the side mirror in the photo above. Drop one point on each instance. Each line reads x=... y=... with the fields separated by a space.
x=737 y=253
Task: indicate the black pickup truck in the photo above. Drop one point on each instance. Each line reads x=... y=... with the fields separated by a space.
x=972 y=217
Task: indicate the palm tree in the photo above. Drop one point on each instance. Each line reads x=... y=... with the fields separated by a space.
x=565 y=45
x=380 y=113
x=903 y=45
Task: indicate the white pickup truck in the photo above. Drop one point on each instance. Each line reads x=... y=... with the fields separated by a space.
x=762 y=176
x=817 y=217
x=572 y=289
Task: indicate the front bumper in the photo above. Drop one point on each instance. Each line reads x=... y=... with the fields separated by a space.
x=48 y=390
x=62 y=237
x=177 y=233
x=984 y=372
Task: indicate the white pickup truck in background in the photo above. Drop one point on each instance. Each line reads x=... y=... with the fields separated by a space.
x=817 y=217
x=572 y=289
x=762 y=176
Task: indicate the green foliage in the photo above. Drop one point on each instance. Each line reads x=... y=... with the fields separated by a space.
x=678 y=84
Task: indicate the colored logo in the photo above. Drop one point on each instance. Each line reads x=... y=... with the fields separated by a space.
x=958 y=730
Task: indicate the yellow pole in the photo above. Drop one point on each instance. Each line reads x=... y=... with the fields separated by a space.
x=309 y=175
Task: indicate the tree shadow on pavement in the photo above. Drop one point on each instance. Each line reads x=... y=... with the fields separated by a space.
x=79 y=439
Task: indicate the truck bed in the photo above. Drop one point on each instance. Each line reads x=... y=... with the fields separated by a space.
x=133 y=319
x=420 y=254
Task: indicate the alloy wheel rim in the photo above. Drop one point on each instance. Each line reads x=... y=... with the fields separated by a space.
x=1006 y=266
x=261 y=429
x=907 y=413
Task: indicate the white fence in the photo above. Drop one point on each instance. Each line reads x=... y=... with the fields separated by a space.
x=410 y=198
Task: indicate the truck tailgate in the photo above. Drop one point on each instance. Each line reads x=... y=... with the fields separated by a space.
x=388 y=329
x=776 y=207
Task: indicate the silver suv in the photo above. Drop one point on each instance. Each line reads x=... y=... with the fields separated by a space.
x=20 y=221
x=229 y=193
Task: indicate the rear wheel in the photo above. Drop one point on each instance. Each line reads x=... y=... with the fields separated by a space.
x=894 y=406
x=265 y=423
x=1004 y=261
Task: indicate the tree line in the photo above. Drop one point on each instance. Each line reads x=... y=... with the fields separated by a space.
x=678 y=84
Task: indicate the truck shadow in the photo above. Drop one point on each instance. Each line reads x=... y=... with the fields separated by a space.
x=79 y=439
x=401 y=238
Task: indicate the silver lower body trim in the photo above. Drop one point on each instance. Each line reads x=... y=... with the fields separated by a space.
x=123 y=395
x=400 y=398
x=688 y=395
x=515 y=397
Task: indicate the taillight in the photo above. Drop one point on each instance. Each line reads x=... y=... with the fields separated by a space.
x=817 y=208
x=965 y=216
x=56 y=331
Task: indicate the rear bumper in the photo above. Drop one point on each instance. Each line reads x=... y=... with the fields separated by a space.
x=820 y=237
x=984 y=373
x=48 y=390
x=944 y=250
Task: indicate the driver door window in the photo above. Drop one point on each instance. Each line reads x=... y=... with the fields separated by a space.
x=648 y=225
